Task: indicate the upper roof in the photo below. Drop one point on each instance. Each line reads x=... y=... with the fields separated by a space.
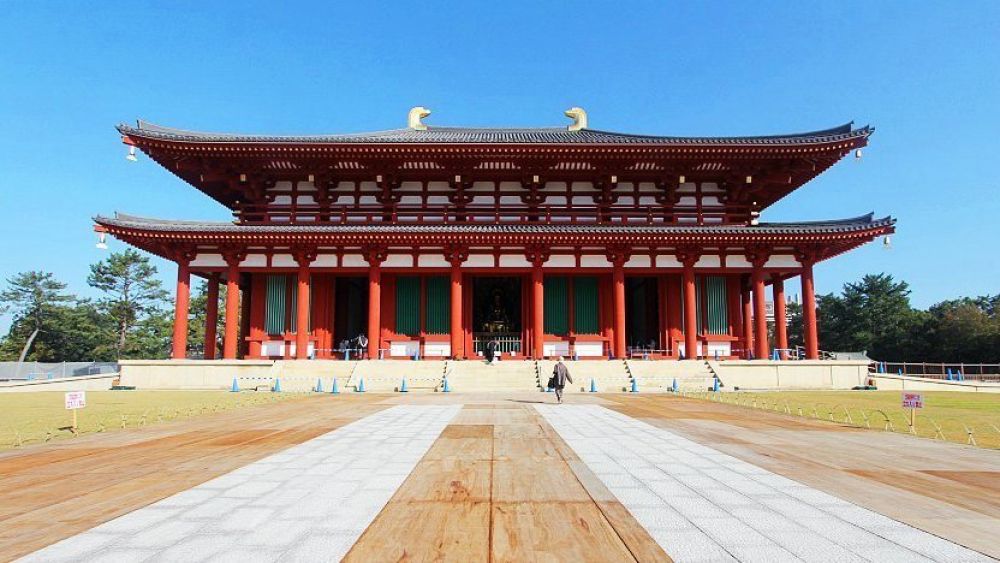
x=480 y=135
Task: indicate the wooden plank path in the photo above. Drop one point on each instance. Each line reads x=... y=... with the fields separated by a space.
x=500 y=485
x=51 y=492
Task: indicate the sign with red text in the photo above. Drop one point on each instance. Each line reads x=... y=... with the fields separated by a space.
x=76 y=400
x=913 y=401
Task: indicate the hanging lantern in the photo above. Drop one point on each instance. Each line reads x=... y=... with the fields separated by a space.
x=857 y=154
x=131 y=155
x=101 y=244
x=886 y=242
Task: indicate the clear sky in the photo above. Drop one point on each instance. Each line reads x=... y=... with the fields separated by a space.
x=926 y=74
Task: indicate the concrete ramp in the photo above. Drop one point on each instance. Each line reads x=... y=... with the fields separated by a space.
x=302 y=375
x=610 y=376
x=503 y=376
x=382 y=376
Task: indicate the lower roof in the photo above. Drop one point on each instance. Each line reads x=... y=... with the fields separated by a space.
x=861 y=223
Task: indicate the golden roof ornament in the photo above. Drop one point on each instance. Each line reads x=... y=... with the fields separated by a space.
x=416 y=114
x=579 y=118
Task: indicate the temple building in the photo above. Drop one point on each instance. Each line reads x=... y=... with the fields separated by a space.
x=436 y=242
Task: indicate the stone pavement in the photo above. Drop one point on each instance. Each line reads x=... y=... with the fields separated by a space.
x=286 y=506
x=700 y=504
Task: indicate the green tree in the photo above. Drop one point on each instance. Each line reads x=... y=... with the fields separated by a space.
x=133 y=297
x=35 y=299
x=873 y=315
x=963 y=330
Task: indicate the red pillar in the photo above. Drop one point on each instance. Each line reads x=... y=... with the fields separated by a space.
x=537 y=312
x=374 y=308
x=690 y=313
x=229 y=341
x=747 y=314
x=759 y=313
x=618 y=287
x=457 y=336
x=302 y=313
x=780 y=326
x=211 y=316
x=182 y=302
x=810 y=333
x=258 y=302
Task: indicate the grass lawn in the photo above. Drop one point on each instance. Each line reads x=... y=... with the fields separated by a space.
x=31 y=418
x=951 y=411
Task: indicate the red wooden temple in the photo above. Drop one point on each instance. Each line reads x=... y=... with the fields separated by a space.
x=435 y=241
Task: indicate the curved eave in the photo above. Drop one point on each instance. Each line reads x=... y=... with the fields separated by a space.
x=160 y=237
x=485 y=141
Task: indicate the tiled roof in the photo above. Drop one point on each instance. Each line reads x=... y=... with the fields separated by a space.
x=861 y=223
x=475 y=135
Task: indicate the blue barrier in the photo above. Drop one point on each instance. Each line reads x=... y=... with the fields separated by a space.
x=236 y=386
x=335 y=387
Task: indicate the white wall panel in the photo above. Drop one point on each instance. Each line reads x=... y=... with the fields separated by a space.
x=208 y=261
x=514 y=261
x=592 y=261
x=432 y=261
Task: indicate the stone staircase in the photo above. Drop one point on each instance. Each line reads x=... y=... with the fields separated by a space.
x=504 y=376
x=610 y=376
x=384 y=376
x=658 y=376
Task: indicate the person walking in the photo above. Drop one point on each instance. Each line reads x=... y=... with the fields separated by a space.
x=560 y=375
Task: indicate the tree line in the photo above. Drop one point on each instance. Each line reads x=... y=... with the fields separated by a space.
x=133 y=319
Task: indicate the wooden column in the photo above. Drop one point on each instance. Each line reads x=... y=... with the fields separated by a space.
x=302 y=313
x=211 y=316
x=810 y=333
x=618 y=289
x=537 y=312
x=229 y=341
x=374 y=256
x=182 y=302
x=759 y=312
x=747 y=318
x=780 y=323
x=690 y=311
x=457 y=335
x=258 y=306
x=456 y=255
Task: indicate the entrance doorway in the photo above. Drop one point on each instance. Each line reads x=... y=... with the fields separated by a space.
x=642 y=313
x=496 y=314
x=350 y=311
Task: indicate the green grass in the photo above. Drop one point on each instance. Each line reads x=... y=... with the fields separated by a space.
x=952 y=412
x=30 y=418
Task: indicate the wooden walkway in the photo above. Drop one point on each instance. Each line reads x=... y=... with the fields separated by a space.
x=947 y=489
x=51 y=492
x=499 y=484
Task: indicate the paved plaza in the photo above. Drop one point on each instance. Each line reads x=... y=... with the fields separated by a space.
x=703 y=505
x=504 y=478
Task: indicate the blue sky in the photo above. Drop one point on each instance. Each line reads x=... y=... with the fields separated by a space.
x=925 y=74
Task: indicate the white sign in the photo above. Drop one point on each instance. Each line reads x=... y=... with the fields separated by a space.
x=913 y=401
x=76 y=400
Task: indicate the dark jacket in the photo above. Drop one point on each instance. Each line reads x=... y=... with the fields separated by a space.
x=560 y=375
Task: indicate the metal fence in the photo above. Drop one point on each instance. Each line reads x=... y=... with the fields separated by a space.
x=941 y=370
x=27 y=371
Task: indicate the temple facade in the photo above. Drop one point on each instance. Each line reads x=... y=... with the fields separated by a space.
x=438 y=242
